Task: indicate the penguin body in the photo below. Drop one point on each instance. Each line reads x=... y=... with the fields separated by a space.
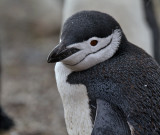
x=132 y=82
x=108 y=85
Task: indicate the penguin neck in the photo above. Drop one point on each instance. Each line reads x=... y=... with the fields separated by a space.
x=75 y=102
x=123 y=44
x=124 y=40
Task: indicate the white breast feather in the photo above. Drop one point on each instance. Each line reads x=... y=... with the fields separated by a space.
x=131 y=128
x=75 y=103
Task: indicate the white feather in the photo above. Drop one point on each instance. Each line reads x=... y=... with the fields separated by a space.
x=131 y=128
x=75 y=102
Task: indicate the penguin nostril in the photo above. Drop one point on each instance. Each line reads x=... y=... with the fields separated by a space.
x=93 y=42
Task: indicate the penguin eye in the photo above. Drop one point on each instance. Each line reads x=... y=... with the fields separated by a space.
x=93 y=42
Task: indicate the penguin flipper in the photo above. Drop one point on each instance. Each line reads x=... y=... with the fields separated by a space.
x=109 y=120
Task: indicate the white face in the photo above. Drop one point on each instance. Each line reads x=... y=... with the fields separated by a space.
x=93 y=51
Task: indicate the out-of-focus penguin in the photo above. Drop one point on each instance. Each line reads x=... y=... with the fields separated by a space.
x=108 y=85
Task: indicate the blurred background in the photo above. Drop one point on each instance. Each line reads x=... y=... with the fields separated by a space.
x=29 y=29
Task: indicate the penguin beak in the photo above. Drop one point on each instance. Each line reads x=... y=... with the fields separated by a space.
x=60 y=52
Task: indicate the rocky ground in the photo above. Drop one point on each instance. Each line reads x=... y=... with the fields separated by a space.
x=29 y=93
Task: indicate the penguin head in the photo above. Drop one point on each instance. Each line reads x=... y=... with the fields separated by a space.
x=87 y=38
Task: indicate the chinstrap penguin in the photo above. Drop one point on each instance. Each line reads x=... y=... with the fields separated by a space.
x=108 y=85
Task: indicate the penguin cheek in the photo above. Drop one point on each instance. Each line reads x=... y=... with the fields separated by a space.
x=75 y=58
x=85 y=63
